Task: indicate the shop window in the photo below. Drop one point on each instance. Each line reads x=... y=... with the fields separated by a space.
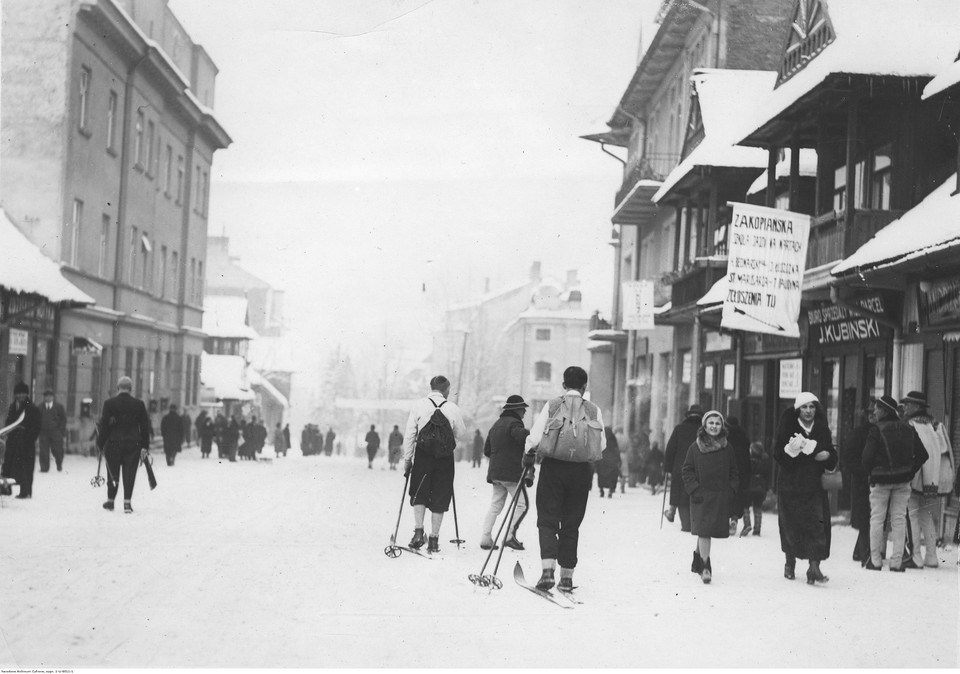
x=708 y=376
x=541 y=371
x=729 y=376
x=755 y=384
x=686 y=369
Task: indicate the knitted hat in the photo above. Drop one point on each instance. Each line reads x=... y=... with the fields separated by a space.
x=917 y=397
x=514 y=402
x=804 y=398
x=887 y=402
x=711 y=413
x=21 y=387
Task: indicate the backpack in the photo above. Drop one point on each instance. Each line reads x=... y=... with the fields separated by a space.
x=436 y=437
x=572 y=432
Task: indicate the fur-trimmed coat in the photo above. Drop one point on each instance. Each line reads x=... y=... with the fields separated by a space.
x=710 y=479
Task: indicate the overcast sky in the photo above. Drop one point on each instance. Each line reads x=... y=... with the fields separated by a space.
x=384 y=146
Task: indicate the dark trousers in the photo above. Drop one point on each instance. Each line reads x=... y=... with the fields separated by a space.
x=121 y=462
x=562 y=492
x=52 y=442
x=18 y=464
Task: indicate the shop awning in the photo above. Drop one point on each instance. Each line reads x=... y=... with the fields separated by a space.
x=932 y=226
x=226 y=375
x=27 y=270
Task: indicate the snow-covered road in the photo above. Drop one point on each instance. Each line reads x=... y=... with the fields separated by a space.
x=281 y=564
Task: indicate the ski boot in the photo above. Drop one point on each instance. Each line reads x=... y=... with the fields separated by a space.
x=670 y=513
x=433 y=544
x=418 y=540
x=546 y=580
x=566 y=580
x=127 y=508
x=108 y=505
x=512 y=542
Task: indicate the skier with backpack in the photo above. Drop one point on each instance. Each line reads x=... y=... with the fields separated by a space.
x=431 y=434
x=567 y=436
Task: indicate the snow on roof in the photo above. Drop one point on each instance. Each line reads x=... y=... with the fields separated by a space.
x=258 y=380
x=721 y=94
x=945 y=79
x=226 y=316
x=898 y=38
x=716 y=294
x=933 y=224
x=808 y=168
x=226 y=375
x=27 y=270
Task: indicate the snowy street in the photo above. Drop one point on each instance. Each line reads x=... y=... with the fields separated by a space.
x=281 y=564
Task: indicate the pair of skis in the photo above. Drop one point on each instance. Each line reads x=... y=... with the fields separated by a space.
x=560 y=598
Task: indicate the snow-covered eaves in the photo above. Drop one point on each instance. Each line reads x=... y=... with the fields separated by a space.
x=947 y=78
x=721 y=94
x=226 y=375
x=808 y=169
x=894 y=38
x=258 y=381
x=607 y=335
x=25 y=269
x=225 y=316
x=931 y=226
x=716 y=294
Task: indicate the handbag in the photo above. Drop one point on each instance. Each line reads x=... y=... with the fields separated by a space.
x=831 y=480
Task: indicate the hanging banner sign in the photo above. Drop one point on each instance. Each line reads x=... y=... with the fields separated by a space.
x=765 y=264
x=637 y=305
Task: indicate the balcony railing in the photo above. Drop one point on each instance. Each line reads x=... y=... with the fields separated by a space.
x=831 y=241
x=648 y=167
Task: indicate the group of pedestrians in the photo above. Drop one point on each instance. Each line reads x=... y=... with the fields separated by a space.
x=313 y=441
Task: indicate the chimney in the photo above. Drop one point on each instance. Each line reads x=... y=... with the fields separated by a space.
x=535 y=271
x=572 y=280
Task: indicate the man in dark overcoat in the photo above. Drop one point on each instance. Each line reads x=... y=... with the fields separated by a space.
x=53 y=431
x=124 y=438
x=684 y=435
x=21 y=442
x=171 y=430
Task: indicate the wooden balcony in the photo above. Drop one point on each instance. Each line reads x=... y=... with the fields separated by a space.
x=694 y=284
x=831 y=241
x=647 y=167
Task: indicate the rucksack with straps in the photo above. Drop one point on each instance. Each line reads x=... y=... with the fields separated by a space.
x=436 y=437
x=572 y=432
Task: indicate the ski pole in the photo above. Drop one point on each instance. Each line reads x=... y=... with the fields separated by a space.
x=456 y=527
x=666 y=481
x=480 y=579
x=494 y=581
x=98 y=481
x=392 y=550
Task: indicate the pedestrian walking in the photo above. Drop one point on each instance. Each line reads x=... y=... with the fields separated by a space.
x=934 y=480
x=803 y=448
x=710 y=479
x=286 y=439
x=205 y=432
x=740 y=443
x=279 y=445
x=373 y=445
x=504 y=447
x=53 y=431
x=478 y=449
x=171 y=430
x=567 y=435
x=220 y=430
x=428 y=445
x=187 y=427
x=757 y=492
x=21 y=442
x=328 y=443
x=892 y=455
x=394 y=447
x=124 y=439
x=684 y=435
x=608 y=467
x=231 y=437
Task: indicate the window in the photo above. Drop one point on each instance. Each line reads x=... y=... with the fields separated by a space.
x=138 y=140
x=840 y=189
x=206 y=194
x=755 y=387
x=128 y=363
x=132 y=261
x=138 y=386
x=179 y=179
x=167 y=168
x=104 y=246
x=175 y=274
x=71 y=404
x=192 y=288
x=541 y=371
x=96 y=383
x=111 y=121
x=84 y=103
x=71 y=235
x=163 y=271
x=729 y=376
x=880 y=172
x=151 y=133
x=146 y=269
x=708 y=377
x=543 y=335
x=200 y=283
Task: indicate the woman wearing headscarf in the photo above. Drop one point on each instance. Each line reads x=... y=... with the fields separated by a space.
x=803 y=448
x=710 y=479
x=608 y=467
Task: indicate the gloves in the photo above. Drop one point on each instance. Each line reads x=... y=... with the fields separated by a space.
x=143 y=454
x=529 y=459
x=407 y=467
x=528 y=474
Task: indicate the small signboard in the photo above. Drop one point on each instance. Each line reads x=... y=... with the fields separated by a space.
x=637 y=305
x=791 y=377
x=19 y=339
x=766 y=261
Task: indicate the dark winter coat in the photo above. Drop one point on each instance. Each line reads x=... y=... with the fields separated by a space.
x=171 y=430
x=608 y=467
x=21 y=444
x=710 y=480
x=893 y=452
x=53 y=421
x=124 y=422
x=477 y=446
x=684 y=435
x=395 y=446
x=738 y=440
x=759 y=474
x=851 y=463
x=328 y=447
x=504 y=448
x=803 y=509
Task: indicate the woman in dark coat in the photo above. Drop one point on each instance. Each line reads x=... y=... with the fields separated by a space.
x=803 y=447
x=684 y=434
x=608 y=467
x=858 y=479
x=710 y=479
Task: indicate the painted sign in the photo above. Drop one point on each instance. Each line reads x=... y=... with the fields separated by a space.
x=18 y=342
x=791 y=377
x=637 y=305
x=765 y=265
x=940 y=302
x=833 y=324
